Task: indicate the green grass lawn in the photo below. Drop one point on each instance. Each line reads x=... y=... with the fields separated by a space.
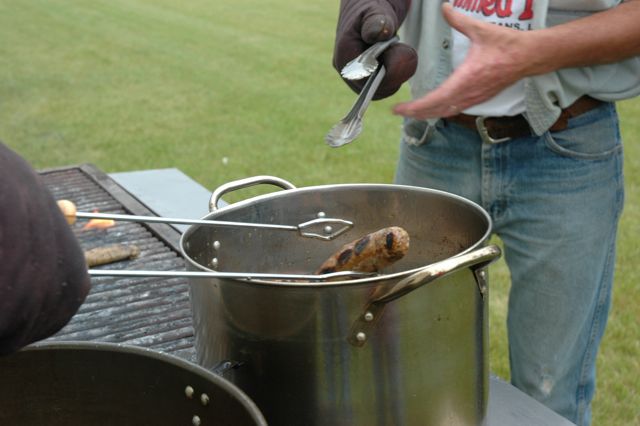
x=226 y=90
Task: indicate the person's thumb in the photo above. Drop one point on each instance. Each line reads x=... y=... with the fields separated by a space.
x=459 y=21
x=379 y=23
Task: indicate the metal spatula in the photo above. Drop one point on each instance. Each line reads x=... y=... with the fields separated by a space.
x=367 y=62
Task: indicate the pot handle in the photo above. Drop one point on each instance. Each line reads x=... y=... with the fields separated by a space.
x=476 y=260
x=244 y=183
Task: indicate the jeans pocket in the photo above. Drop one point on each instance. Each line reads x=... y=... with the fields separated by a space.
x=594 y=135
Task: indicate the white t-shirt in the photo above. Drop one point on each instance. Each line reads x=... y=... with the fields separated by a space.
x=516 y=14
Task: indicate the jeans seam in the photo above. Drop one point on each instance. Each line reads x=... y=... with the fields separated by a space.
x=587 y=360
x=589 y=355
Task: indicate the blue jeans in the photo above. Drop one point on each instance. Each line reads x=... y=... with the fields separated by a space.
x=555 y=201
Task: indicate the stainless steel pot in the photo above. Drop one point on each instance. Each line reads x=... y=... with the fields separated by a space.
x=83 y=383
x=381 y=350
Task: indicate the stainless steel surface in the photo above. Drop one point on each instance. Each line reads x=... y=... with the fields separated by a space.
x=216 y=196
x=364 y=64
x=425 y=358
x=178 y=195
x=326 y=225
x=428 y=274
x=83 y=383
x=350 y=126
x=476 y=260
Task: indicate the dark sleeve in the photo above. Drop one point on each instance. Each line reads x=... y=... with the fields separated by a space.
x=43 y=274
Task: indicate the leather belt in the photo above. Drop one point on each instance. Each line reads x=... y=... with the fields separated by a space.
x=502 y=129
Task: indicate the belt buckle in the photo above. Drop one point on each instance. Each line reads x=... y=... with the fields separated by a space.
x=484 y=133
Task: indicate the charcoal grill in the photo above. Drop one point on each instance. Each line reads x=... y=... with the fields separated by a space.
x=148 y=312
x=155 y=312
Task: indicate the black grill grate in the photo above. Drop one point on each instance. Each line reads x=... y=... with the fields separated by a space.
x=149 y=312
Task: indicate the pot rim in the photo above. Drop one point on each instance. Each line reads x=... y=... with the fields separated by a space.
x=316 y=284
x=125 y=349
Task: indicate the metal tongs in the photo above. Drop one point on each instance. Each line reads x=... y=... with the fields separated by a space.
x=350 y=127
x=68 y=209
x=367 y=62
x=249 y=276
x=330 y=229
x=326 y=223
x=304 y=229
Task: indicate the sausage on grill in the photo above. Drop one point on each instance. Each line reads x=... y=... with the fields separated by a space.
x=111 y=253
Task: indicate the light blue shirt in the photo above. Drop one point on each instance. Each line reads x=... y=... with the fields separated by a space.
x=545 y=95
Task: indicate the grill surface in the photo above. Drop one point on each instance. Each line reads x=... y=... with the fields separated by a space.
x=149 y=312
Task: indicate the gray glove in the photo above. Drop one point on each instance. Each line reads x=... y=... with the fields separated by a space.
x=362 y=23
x=43 y=273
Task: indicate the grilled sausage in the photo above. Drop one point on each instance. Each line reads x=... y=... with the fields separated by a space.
x=111 y=253
x=370 y=253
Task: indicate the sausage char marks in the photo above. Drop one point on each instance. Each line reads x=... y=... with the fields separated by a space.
x=370 y=253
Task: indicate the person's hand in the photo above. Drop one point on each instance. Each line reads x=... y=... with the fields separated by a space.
x=497 y=58
x=362 y=23
x=43 y=273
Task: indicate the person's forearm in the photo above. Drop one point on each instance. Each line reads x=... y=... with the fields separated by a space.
x=601 y=38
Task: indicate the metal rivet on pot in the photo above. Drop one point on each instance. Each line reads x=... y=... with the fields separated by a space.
x=188 y=391
x=216 y=245
x=328 y=229
x=195 y=421
x=204 y=399
x=214 y=262
x=361 y=337
x=321 y=214
x=368 y=316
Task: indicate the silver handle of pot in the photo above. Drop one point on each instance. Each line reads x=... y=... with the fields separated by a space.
x=244 y=183
x=476 y=260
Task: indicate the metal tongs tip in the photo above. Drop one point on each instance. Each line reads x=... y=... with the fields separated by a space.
x=365 y=65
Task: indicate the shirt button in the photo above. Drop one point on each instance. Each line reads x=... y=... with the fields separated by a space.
x=446 y=43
